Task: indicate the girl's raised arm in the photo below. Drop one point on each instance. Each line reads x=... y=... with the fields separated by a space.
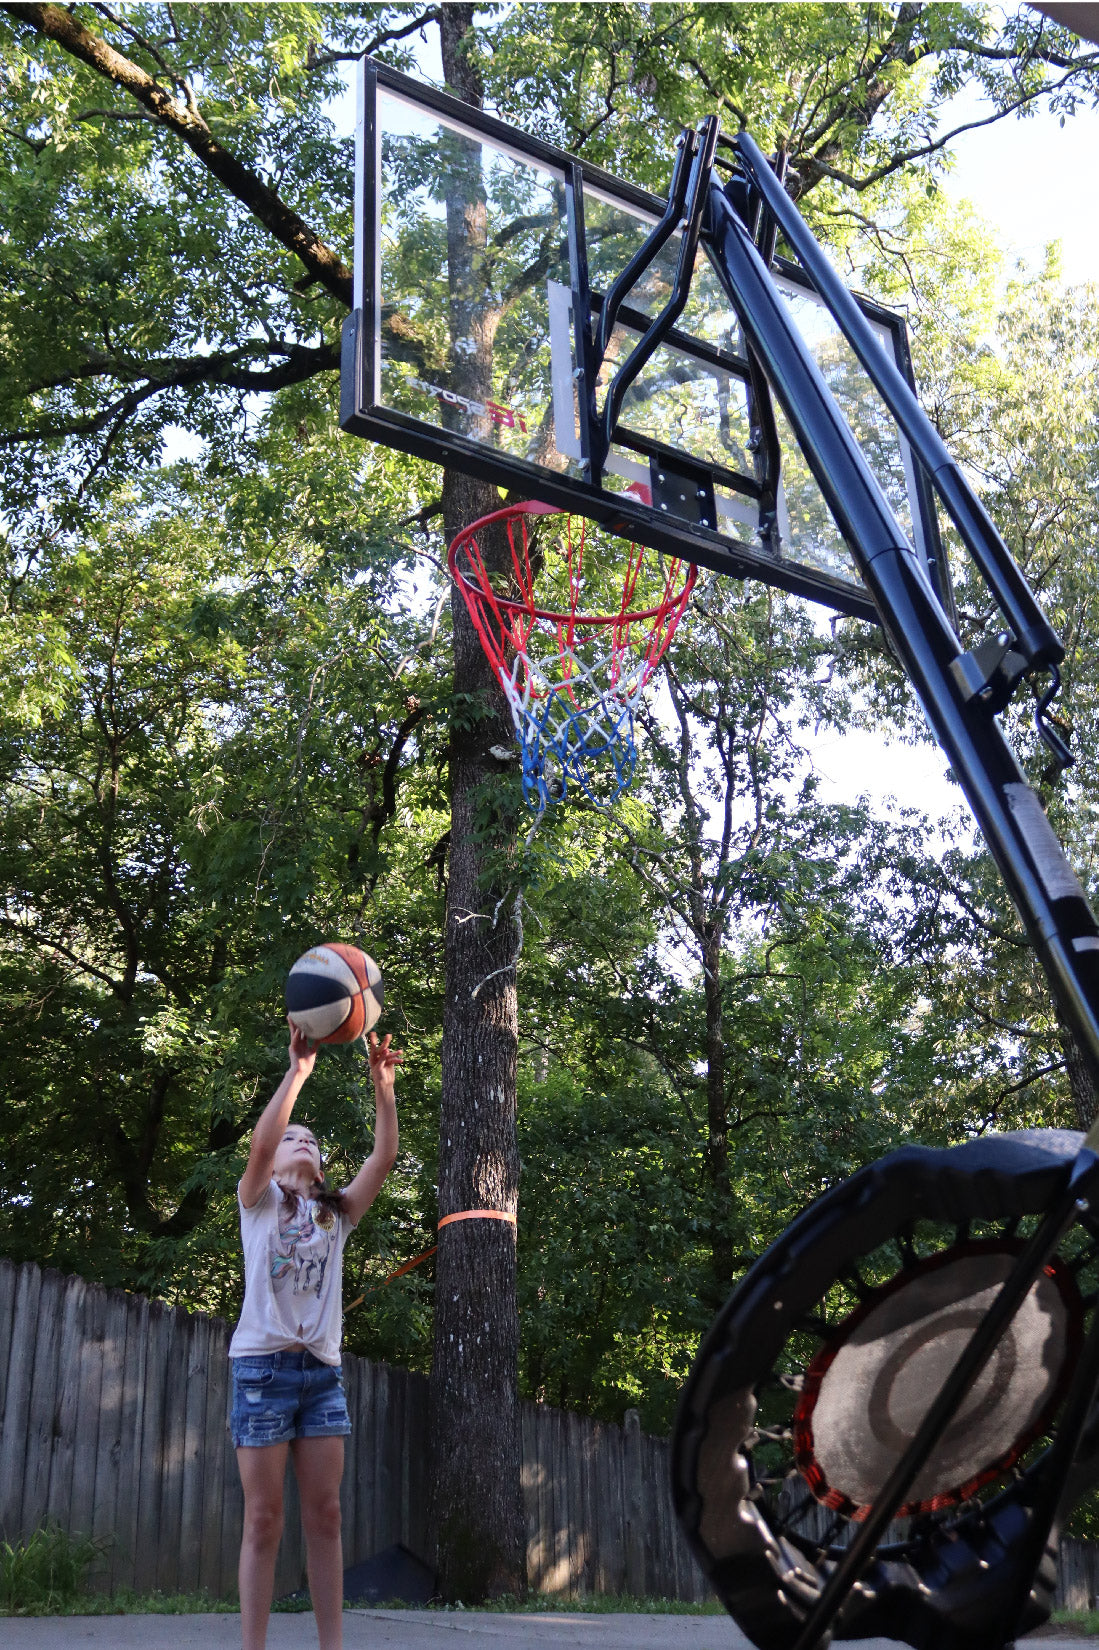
x=362 y=1191
x=273 y=1120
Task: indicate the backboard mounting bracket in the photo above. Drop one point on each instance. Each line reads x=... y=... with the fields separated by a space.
x=683 y=490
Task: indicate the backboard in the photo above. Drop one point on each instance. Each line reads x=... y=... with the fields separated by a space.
x=483 y=260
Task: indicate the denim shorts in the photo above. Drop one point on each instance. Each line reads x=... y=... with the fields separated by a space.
x=282 y=1395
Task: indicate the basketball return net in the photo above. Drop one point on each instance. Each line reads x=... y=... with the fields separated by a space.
x=575 y=659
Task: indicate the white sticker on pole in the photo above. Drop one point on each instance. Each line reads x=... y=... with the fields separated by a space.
x=1054 y=871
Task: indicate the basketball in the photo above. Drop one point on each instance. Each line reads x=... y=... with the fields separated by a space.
x=334 y=993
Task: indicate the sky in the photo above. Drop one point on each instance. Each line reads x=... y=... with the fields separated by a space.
x=1035 y=182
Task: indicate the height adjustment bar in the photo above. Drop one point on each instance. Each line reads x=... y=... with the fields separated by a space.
x=991 y=672
x=1051 y=738
x=763 y=444
x=699 y=147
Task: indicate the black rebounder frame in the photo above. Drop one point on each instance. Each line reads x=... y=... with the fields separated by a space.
x=962 y=692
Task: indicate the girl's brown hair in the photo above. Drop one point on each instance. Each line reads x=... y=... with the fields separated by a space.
x=318 y=1194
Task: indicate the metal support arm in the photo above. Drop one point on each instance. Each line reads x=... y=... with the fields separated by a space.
x=1035 y=637
x=1044 y=887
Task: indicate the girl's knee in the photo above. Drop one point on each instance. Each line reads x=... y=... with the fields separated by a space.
x=263 y=1523
x=322 y=1518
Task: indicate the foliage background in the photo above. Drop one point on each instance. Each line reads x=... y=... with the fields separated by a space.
x=225 y=693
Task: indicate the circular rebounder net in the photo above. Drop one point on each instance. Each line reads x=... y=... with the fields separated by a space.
x=574 y=622
x=815 y=1377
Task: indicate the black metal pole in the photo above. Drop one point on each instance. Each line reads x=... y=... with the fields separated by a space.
x=1042 y=884
x=694 y=212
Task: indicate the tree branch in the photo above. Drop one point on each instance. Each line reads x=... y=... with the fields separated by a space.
x=185 y=122
x=315 y=61
x=814 y=167
x=303 y=363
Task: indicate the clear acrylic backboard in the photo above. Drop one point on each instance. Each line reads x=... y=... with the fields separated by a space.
x=482 y=252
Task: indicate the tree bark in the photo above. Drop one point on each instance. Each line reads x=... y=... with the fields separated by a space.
x=1079 y=1076
x=477 y=1508
x=717 y=1114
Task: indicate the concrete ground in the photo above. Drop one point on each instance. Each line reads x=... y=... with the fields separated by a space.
x=407 y=1630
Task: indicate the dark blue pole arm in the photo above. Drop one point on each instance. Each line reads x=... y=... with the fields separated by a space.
x=1035 y=637
x=1041 y=882
x=701 y=169
x=652 y=244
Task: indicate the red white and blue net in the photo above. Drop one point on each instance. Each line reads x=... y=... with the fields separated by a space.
x=573 y=679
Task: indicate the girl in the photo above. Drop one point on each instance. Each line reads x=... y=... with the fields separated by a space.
x=287 y=1386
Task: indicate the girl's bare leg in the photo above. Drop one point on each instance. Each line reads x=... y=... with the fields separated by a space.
x=262 y=1471
x=318 y=1463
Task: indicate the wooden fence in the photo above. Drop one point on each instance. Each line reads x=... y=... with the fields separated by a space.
x=113 y=1423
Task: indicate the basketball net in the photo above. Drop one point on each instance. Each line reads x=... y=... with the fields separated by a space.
x=572 y=679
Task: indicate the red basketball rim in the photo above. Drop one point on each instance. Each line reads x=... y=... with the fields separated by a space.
x=510 y=512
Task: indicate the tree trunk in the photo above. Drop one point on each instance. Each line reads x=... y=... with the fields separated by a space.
x=717 y=1118
x=477 y=1507
x=1083 y=1089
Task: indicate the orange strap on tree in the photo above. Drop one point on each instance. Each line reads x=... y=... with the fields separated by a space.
x=476 y=1214
x=463 y=1214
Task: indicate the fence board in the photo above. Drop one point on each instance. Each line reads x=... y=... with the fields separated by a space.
x=348 y=1503
x=66 y=1400
x=109 y=1445
x=40 y=1408
x=542 y=1497
x=173 y=1428
x=126 y=1528
x=362 y=1441
x=86 y=1439
x=663 y=1541
x=591 y=1520
x=1077 y=1575
x=633 y=1534
x=402 y=1464
x=612 y=1517
x=290 y=1572
x=383 y=1476
x=9 y=1274
x=578 y=1527
x=232 y=1507
x=553 y=1500
x=215 y=1458
x=196 y=1349
x=418 y=1446
x=528 y=1477
x=394 y=1431
x=157 y=1351
x=20 y=1374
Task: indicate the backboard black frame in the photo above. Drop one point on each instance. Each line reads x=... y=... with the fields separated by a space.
x=363 y=414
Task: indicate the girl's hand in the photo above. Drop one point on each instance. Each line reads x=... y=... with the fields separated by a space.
x=383 y=1064
x=302 y=1052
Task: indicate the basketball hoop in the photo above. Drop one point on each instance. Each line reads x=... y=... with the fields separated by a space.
x=572 y=679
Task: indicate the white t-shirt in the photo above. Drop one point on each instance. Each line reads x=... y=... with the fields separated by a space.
x=293 y=1277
